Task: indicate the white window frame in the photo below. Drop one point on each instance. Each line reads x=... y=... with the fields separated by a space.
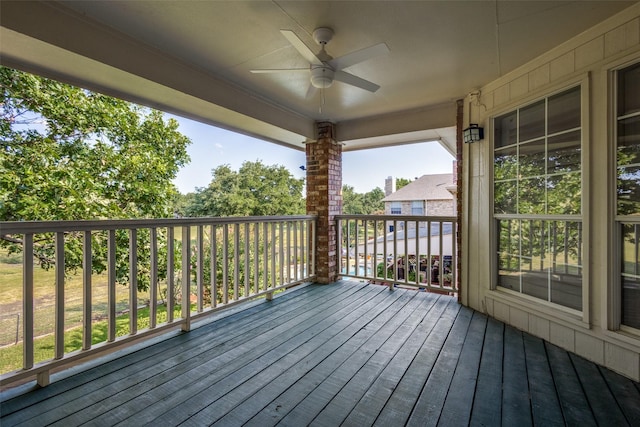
x=533 y=303
x=614 y=305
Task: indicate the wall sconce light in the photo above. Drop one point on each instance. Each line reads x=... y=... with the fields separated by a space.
x=473 y=133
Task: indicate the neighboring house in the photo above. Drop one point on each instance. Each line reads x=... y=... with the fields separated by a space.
x=432 y=195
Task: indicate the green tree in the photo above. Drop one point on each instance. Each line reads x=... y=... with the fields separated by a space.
x=182 y=203
x=362 y=204
x=352 y=202
x=373 y=201
x=67 y=154
x=254 y=190
x=401 y=182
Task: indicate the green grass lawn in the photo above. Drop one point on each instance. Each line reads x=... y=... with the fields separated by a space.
x=44 y=299
x=11 y=356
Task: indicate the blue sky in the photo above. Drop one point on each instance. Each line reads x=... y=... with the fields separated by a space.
x=364 y=169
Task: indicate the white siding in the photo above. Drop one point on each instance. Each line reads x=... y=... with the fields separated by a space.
x=586 y=60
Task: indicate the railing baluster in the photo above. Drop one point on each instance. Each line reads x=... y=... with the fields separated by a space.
x=265 y=250
x=27 y=301
x=273 y=255
x=395 y=253
x=365 y=244
x=256 y=257
x=347 y=245
x=405 y=263
x=59 y=326
x=247 y=261
x=440 y=255
x=356 y=252
x=374 y=256
x=186 y=278
x=236 y=260
x=111 y=285
x=200 y=268
x=298 y=243
x=153 y=279
x=429 y=255
x=283 y=238
x=214 y=265
x=291 y=258
x=225 y=263
x=170 y=273
x=86 y=289
x=386 y=251
x=133 y=281
x=416 y=267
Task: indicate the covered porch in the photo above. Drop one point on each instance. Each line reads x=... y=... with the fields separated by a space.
x=352 y=353
x=347 y=353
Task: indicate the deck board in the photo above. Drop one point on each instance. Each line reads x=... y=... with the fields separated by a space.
x=574 y=403
x=459 y=400
x=627 y=395
x=516 y=410
x=603 y=405
x=545 y=406
x=346 y=354
x=431 y=399
x=487 y=401
x=377 y=394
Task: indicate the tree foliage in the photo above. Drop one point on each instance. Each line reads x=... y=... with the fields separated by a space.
x=401 y=182
x=254 y=190
x=68 y=154
x=362 y=203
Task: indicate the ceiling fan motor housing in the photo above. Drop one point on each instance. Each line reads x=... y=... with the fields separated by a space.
x=322 y=76
x=322 y=35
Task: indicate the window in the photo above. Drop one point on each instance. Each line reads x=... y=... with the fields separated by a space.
x=628 y=190
x=417 y=207
x=537 y=199
x=396 y=208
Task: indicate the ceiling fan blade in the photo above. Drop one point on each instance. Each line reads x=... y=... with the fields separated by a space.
x=279 y=70
x=311 y=91
x=301 y=47
x=352 y=80
x=358 y=56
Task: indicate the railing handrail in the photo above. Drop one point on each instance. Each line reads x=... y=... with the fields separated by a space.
x=432 y=218
x=35 y=227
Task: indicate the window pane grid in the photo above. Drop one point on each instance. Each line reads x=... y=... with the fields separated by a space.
x=541 y=258
x=628 y=191
x=537 y=176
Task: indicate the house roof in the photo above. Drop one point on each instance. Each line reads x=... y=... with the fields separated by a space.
x=427 y=187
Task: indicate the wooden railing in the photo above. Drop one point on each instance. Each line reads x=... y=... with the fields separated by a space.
x=175 y=271
x=414 y=251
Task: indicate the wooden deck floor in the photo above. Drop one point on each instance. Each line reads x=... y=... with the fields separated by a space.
x=344 y=354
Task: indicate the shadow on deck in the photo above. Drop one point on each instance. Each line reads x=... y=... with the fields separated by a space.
x=344 y=354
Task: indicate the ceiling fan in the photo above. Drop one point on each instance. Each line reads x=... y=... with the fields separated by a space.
x=325 y=69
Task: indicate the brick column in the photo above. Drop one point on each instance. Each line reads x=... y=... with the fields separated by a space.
x=324 y=197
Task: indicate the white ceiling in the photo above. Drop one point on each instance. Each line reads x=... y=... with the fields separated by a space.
x=193 y=58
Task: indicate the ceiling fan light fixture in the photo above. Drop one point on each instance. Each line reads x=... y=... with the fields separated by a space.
x=322 y=77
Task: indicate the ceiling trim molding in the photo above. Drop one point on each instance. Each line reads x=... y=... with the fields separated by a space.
x=419 y=119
